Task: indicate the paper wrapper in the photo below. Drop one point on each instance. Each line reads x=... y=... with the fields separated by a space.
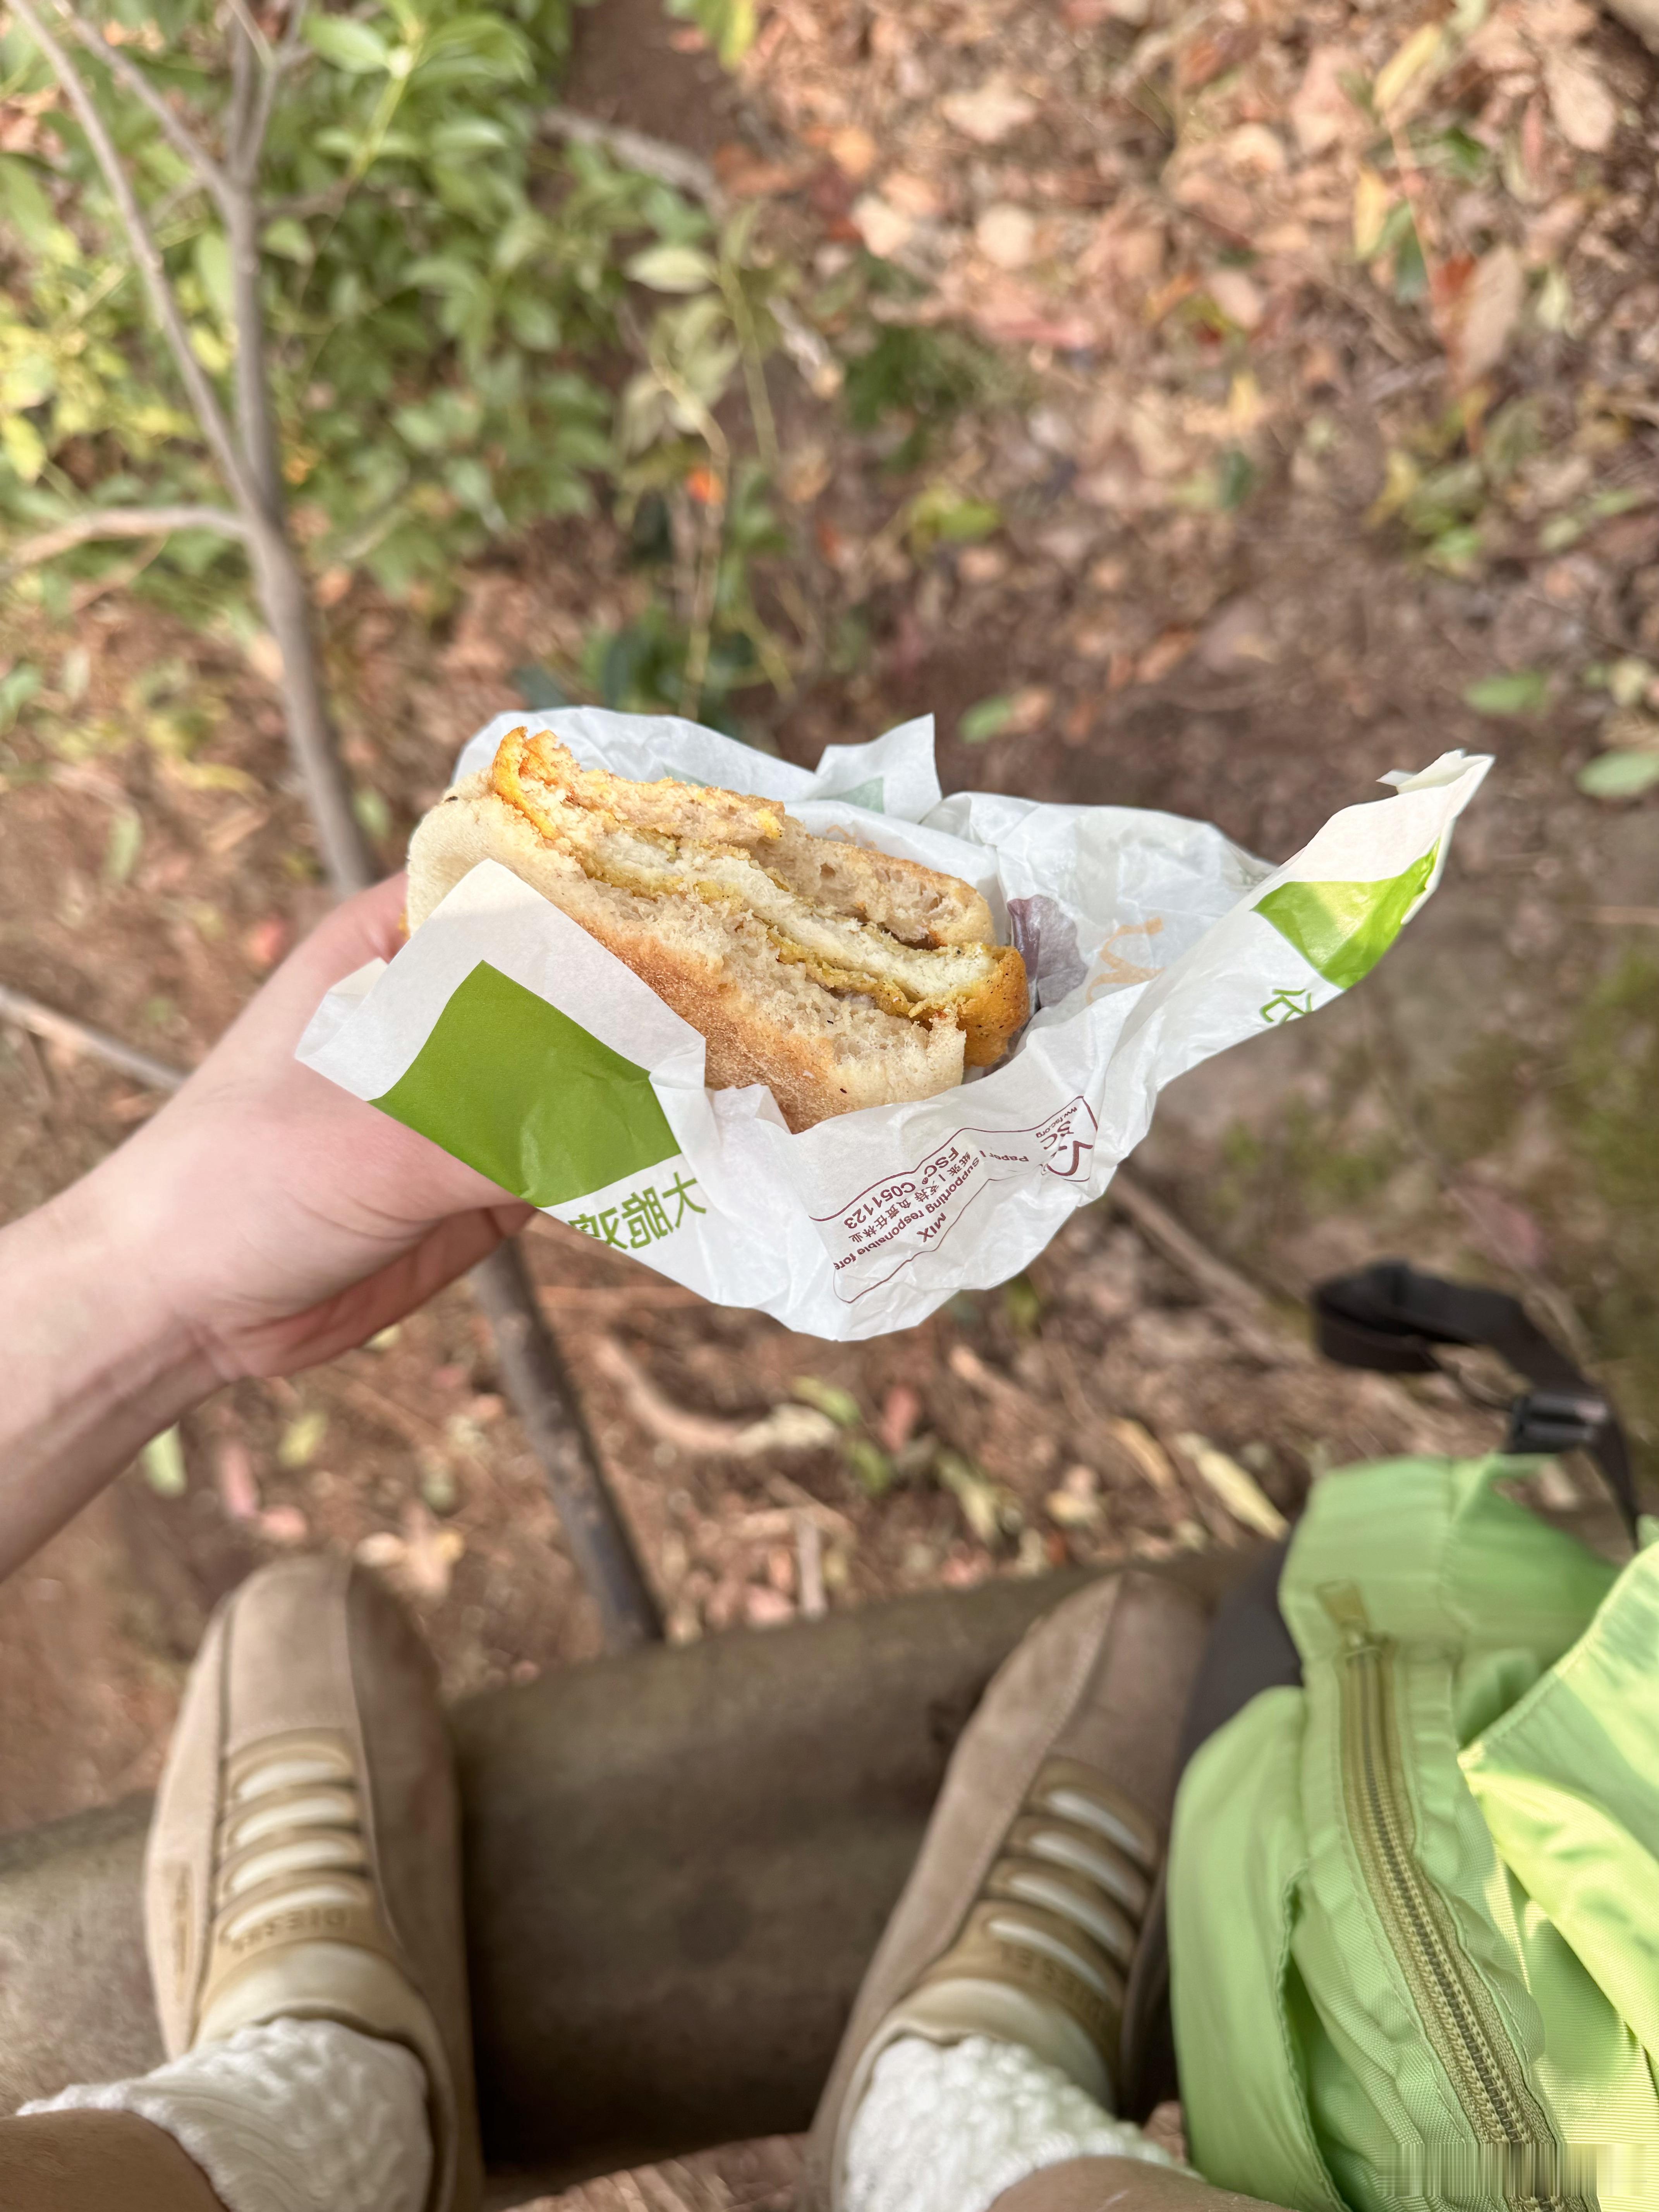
x=508 y=1035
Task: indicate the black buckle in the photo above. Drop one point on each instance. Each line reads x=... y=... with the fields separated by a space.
x=1544 y=1422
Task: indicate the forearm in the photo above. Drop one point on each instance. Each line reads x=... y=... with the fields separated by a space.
x=94 y=1363
x=1120 y=2184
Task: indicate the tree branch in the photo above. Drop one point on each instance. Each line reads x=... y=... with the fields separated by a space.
x=255 y=419
x=119 y=522
x=245 y=162
x=203 y=398
x=651 y=157
x=126 y=72
x=64 y=1029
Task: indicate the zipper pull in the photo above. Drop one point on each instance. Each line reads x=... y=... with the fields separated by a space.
x=1345 y=1605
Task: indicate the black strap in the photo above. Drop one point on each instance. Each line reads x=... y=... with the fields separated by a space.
x=1391 y=1317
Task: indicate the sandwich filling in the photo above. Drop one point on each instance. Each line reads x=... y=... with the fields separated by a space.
x=751 y=858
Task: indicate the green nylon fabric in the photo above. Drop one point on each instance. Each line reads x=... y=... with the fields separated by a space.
x=1342 y=930
x=1524 y=1676
x=529 y=1098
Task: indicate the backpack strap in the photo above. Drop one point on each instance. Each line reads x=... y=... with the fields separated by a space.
x=1390 y=1317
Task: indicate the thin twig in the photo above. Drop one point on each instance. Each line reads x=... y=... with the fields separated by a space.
x=245 y=162
x=651 y=157
x=1246 y=1310
x=203 y=400
x=127 y=73
x=78 y=1036
x=119 y=522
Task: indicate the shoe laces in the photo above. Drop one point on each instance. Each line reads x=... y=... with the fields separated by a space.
x=1072 y=1883
x=291 y=1833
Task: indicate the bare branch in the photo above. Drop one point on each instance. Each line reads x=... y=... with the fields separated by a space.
x=244 y=75
x=651 y=157
x=64 y=1029
x=119 y=522
x=256 y=418
x=203 y=398
x=127 y=73
x=246 y=160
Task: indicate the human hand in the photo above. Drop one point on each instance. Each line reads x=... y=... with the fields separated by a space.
x=275 y=1220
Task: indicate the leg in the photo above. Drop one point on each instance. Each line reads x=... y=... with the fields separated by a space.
x=997 y=2022
x=97 y=2162
x=302 y=1916
x=1118 y=2184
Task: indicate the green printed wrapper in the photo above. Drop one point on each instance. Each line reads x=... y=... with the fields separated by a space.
x=507 y=1035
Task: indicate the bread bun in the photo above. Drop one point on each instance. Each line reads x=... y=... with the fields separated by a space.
x=838 y=976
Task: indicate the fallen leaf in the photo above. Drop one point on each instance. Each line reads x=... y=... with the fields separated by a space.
x=1254 y=149
x=429 y=1552
x=1584 y=109
x=301 y=1438
x=1237 y=637
x=1372 y=198
x=1163 y=655
x=1076 y=1503
x=1211 y=51
x=1236 y=1488
x=989 y=1513
x=766 y=1608
x=884 y=228
x=1005 y=235
x=1619 y=774
x=1487 y=312
x=828 y=1398
x=163 y=1458
x=912 y=195
x=1320 y=110
x=284 y=1524
x=989 y=114
x=126 y=839
x=1409 y=70
x=1237 y=297
x=268 y=940
x=1505 y=698
x=853 y=150
x=871 y=1468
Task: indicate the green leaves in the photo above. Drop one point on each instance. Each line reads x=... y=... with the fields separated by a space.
x=347 y=44
x=673 y=269
x=728 y=25
x=986 y=718
x=1619 y=774
x=1508 y=697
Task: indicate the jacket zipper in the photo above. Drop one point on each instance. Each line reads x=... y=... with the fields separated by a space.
x=1522 y=2155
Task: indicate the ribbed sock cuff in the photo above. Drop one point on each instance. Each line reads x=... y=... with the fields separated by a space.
x=948 y=2127
x=296 y=2116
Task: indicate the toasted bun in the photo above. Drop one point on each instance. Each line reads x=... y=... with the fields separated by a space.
x=838 y=976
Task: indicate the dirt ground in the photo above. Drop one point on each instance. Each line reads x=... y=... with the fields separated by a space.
x=1264 y=513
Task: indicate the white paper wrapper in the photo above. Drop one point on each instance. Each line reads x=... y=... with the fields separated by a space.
x=510 y=1036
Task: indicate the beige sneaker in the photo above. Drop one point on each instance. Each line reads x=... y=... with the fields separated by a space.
x=1023 y=1914
x=304 y=1859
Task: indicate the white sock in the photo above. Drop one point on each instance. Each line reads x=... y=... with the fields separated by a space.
x=948 y=2127
x=298 y=2116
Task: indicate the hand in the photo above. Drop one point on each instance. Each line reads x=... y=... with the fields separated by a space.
x=282 y=1220
x=263 y=1221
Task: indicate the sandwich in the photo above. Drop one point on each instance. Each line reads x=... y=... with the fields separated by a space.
x=838 y=976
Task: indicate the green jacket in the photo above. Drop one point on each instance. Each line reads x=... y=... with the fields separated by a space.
x=1414 y=1904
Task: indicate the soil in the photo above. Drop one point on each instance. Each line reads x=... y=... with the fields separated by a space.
x=1483 y=1102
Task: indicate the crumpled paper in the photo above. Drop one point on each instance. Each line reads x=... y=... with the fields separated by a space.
x=510 y=1036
